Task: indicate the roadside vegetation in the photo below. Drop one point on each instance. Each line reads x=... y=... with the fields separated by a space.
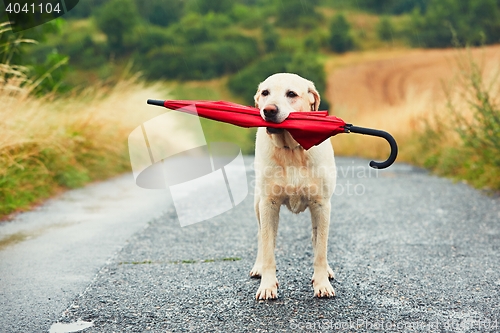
x=464 y=142
x=61 y=83
x=442 y=106
x=51 y=143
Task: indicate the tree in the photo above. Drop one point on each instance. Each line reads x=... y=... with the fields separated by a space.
x=385 y=29
x=116 y=19
x=291 y=13
x=84 y=8
x=161 y=12
x=472 y=22
x=270 y=37
x=392 y=6
x=207 y=6
x=340 y=34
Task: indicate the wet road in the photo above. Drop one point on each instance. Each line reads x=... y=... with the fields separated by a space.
x=50 y=255
x=411 y=252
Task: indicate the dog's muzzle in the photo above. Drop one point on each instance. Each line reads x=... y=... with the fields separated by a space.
x=270 y=115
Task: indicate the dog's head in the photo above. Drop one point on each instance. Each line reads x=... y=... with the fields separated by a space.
x=283 y=93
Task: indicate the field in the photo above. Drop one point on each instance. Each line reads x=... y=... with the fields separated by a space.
x=397 y=91
x=50 y=144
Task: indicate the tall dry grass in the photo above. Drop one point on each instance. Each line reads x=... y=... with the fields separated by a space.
x=452 y=129
x=464 y=142
x=47 y=144
x=51 y=143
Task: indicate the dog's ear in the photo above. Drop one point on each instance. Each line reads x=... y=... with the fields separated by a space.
x=257 y=96
x=314 y=98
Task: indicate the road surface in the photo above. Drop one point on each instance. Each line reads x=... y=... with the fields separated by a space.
x=411 y=252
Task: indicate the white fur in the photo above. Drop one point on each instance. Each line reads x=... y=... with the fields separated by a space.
x=287 y=174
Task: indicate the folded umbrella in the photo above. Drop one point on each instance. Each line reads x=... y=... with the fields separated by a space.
x=308 y=128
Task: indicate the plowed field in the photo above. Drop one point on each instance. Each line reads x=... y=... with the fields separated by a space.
x=394 y=90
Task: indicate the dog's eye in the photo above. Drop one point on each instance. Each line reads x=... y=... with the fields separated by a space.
x=291 y=94
x=265 y=92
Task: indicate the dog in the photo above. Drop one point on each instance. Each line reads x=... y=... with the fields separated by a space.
x=287 y=174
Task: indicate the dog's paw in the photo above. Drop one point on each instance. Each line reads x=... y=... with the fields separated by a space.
x=267 y=291
x=255 y=272
x=331 y=275
x=322 y=288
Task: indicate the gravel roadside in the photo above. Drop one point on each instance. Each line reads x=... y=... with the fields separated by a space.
x=411 y=252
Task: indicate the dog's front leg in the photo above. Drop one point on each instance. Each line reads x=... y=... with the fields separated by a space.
x=269 y=210
x=320 y=216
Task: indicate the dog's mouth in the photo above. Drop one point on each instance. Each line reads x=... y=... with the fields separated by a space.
x=271 y=130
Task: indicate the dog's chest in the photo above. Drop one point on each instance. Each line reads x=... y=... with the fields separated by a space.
x=296 y=186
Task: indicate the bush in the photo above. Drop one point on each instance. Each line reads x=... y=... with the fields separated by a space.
x=294 y=13
x=392 y=6
x=212 y=6
x=147 y=38
x=160 y=12
x=82 y=50
x=248 y=17
x=200 y=61
x=482 y=132
x=244 y=84
x=49 y=75
x=312 y=41
x=385 y=29
x=270 y=38
x=340 y=35
x=85 y=8
x=195 y=29
x=44 y=65
x=117 y=19
x=465 y=143
x=472 y=22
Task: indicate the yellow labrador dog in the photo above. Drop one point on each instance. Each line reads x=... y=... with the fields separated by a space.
x=287 y=174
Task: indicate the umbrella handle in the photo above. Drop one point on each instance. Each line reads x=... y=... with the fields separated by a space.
x=368 y=131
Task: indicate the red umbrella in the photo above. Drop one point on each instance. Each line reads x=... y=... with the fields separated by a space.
x=308 y=128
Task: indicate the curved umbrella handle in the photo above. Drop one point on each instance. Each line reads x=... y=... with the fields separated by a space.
x=368 y=131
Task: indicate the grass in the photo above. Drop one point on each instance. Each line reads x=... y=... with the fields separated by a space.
x=48 y=145
x=464 y=142
x=54 y=143
x=442 y=106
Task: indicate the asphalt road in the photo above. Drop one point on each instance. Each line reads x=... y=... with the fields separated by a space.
x=411 y=253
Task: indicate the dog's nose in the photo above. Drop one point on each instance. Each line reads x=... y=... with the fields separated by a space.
x=270 y=111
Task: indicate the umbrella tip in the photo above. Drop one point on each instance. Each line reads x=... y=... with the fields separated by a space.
x=156 y=102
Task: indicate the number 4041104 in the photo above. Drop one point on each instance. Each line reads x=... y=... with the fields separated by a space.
x=32 y=8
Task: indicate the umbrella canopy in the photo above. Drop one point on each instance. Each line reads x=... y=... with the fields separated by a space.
x=308 y=128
